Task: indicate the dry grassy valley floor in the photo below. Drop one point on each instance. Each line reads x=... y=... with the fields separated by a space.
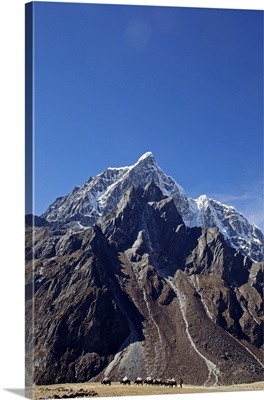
x=53 y=391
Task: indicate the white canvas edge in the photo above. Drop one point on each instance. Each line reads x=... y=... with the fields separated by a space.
x=12 y=191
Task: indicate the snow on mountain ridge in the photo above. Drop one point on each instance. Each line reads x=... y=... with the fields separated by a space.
x=85 y=204
x=235 y=228
x=141 y=173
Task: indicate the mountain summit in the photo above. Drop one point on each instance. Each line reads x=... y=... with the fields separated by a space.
x=128 y=276
x=99 y=195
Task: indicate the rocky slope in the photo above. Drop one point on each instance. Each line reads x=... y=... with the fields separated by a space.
x=140 y=293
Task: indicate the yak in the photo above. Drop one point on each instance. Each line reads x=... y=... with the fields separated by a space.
x=106 y=381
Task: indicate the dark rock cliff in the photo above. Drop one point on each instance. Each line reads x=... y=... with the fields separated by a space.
x=139 y=293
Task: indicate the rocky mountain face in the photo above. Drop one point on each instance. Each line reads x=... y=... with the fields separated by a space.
x=126 y=287
x=101 y=194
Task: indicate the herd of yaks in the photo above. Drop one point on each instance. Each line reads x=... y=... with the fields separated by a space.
x=148 y=381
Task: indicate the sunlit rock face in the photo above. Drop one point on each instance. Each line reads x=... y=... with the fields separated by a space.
x=138 y=291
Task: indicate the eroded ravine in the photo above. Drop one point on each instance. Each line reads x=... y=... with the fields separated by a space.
x=213 y=371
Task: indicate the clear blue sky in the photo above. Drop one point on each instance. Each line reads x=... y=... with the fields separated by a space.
x=112 y=82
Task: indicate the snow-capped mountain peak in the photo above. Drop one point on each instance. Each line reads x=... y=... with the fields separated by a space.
x=145 y=156
x=102 y=193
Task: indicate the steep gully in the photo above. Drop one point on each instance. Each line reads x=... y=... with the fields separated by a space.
x=213 y=370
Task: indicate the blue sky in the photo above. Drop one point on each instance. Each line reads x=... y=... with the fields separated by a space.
x=112 y=82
